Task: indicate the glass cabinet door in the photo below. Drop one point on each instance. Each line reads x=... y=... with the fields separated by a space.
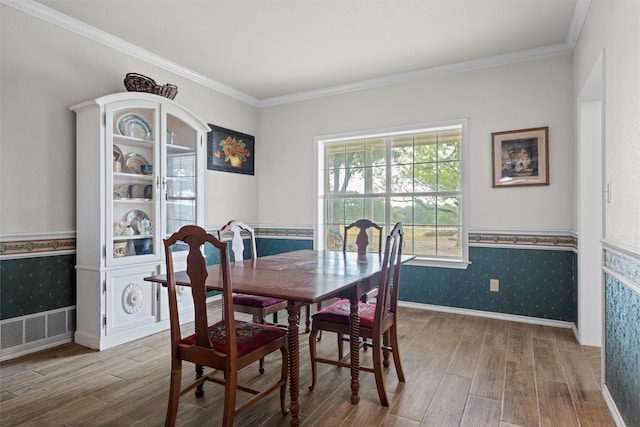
x=131 y=177
x=180 y=174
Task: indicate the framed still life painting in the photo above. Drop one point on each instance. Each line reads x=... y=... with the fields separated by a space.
x=520 y=157
x=230 y=151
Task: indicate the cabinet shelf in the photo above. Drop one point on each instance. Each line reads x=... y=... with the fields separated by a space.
x=133 y=237
x=132 y=176
x=178 y=149
x=131 y=200
x=135 y=142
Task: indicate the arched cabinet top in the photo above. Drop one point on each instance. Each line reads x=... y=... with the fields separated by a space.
x=132 y=97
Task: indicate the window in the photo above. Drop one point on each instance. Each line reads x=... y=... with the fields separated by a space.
x=414 y=175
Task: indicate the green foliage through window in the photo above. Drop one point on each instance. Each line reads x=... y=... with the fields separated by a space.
x=415 y=178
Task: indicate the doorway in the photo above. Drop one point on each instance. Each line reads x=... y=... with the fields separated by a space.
x=590 y=213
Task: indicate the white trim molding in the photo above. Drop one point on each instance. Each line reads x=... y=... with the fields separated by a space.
x=617 y=417
x=488 y=314
x=54 y=17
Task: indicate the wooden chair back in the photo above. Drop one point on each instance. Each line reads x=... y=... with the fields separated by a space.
x=387 y=298
x=237 y=228
x=195 y=237
x=362 y=238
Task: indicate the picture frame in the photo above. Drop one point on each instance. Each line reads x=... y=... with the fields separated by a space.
x=520 y=157
x=230 y=151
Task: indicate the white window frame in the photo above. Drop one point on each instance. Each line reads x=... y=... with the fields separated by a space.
x=322 y=140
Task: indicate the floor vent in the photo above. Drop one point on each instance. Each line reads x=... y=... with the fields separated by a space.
x=27 y=334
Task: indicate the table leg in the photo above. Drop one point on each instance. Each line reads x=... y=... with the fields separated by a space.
x=354 y=340
x=294 y=363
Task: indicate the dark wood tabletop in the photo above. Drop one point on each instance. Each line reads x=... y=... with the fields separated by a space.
x=305 y=276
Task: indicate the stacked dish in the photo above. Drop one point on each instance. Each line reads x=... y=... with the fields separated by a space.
x=133 y=125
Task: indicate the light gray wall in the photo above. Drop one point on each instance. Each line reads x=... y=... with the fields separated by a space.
x=614 y=26
x=516 y=96
x=44 y=70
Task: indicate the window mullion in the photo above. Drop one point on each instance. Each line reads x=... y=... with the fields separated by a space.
x=387 y=193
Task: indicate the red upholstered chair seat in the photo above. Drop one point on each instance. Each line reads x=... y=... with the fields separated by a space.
x=255 y=301
x=249 y=336
x=339 y=312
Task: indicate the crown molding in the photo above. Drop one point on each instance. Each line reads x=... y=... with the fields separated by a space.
x=47 y=14
x=54 y=17
x=577 y=21
x=425 y=73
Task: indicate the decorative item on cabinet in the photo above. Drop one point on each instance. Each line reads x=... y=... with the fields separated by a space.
x=135 y=82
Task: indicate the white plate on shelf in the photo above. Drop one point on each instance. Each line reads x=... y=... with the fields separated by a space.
x=137 y=220
x=133 y=161
x=118 y=159
x=133 y=191
x=134 y=126
x=117 y=154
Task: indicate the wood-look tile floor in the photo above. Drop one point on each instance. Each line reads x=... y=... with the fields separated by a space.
x=459 y=370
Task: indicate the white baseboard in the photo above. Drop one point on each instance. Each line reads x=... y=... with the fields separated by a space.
x=617 y=418
x=489 y=314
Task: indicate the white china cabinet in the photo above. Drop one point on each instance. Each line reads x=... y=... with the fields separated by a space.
x=139 y=178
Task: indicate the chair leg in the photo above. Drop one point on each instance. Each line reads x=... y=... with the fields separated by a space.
x=258 y=319
x=312 y=352
x=340 y=349
x=307 y=321
x=174 y=393
x=318 y=308
x=396 y=353
x=385 y=352
x=200 y=388
x=377 y=369
x=284 y=373
x=230 y=389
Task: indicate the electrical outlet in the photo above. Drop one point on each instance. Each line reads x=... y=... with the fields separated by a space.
x=494 y=285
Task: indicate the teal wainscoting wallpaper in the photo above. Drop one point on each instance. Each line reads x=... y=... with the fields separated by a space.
x=533 y=282
x=264 y=247
x=622 y=349
x=34 y=285
x=277 y=246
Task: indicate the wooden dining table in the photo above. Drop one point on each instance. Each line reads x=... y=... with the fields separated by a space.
x=303 y=277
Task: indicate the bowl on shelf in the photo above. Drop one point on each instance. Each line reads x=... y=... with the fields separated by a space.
x=146 y=169
x=120 y=249
x=143 y=246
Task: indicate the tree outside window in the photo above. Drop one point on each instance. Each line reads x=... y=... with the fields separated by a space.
x=415 y=177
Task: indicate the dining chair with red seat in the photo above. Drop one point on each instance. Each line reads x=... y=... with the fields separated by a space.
x=257 y=306
x=226 y=346
x=378 y=321
x=364 y=227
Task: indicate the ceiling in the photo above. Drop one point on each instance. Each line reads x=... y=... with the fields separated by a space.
x=270 y=50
